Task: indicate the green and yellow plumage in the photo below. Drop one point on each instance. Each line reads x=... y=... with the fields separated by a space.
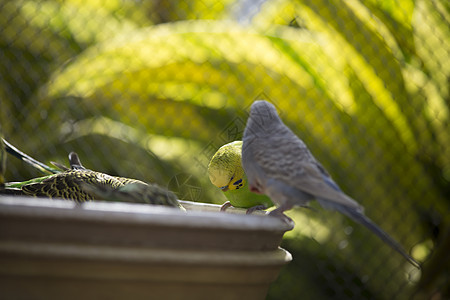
x=67 y=184
x=225 y=171
x=80 y=184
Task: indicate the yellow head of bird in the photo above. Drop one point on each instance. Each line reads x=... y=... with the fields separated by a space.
x=225 y=168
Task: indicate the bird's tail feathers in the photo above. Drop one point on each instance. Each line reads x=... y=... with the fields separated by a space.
x=359 y=217
x=28 y=159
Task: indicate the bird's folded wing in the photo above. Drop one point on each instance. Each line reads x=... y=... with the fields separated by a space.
x=290 y=161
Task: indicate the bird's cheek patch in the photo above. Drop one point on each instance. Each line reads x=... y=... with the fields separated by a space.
x=238 y=184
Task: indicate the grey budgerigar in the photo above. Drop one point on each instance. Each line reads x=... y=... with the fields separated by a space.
x=279 y=164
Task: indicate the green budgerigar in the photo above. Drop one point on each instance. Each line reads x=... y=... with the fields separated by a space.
x=225 y=171
x=80 y=184
x=66 y=185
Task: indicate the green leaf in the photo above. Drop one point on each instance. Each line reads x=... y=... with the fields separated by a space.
x=432 y=39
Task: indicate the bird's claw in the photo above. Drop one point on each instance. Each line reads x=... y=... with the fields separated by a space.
x=225 y=206
x=279 y=214
x=255 y=208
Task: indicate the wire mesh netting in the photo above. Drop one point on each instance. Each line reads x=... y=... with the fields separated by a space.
x=151 y=89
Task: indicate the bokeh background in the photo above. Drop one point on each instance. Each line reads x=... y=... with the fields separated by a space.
x=151 y=89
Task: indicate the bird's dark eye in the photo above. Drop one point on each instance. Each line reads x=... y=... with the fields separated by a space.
x=237 y=182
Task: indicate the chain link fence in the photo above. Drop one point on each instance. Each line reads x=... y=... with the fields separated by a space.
x=151 y=89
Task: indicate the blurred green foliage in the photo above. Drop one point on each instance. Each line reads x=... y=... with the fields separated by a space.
x=151 y=89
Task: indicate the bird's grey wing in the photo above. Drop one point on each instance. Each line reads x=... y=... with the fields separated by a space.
x=286 y=158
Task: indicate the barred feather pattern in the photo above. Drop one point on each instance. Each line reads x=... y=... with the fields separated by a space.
x=67 y=185
x=80 y=184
